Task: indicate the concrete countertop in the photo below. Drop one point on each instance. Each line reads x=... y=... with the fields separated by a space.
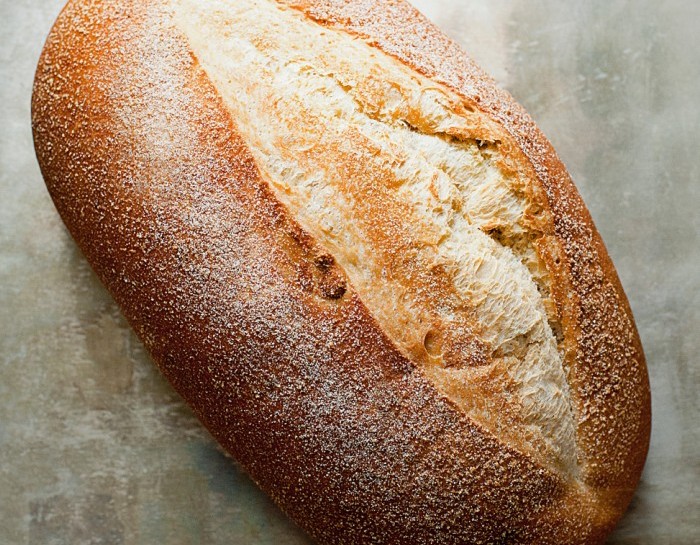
x=96 y=448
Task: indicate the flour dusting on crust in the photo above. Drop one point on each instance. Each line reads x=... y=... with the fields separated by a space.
x=262 y=333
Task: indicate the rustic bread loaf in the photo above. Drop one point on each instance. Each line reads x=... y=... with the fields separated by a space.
x=358 y=260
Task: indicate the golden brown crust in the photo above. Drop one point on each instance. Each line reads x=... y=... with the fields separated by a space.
x=607 y=366
x=263 y=335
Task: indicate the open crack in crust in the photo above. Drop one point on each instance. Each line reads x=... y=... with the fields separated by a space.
x=607 y=373
x=256 y=325
x=410 y=190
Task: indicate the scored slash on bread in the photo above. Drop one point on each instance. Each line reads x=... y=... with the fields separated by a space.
x=359 y=262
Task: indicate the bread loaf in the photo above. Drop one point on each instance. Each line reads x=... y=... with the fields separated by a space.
x=356 y=258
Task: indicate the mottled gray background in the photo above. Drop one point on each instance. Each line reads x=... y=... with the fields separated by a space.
x=94 y=446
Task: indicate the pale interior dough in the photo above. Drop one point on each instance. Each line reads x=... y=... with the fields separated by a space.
x=382 y=167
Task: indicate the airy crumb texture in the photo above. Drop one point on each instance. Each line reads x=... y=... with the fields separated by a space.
x=407 y=188
x=358 y=261
x=607 y=370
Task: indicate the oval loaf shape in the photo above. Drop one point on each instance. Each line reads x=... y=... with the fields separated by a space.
x=356 y=258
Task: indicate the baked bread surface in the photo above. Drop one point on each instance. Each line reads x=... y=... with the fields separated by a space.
x=358 y=260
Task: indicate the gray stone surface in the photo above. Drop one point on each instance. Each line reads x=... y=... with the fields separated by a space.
x=96 y=448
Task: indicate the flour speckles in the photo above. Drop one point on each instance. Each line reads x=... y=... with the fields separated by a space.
x=291 y=373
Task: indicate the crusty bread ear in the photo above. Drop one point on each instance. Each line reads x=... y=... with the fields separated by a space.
x=418 y=199
x=358 y=261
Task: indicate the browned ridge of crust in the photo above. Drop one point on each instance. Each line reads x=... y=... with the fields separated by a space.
x=258 y=327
